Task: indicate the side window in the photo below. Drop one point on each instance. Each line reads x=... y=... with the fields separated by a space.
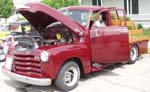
x=93 y=18
x=114 y=18
x=121 y=17
x=117 y=18
x=101 y=20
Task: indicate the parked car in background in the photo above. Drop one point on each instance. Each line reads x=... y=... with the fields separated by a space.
x=20 y=28
x=16 y=29
x=4 y=31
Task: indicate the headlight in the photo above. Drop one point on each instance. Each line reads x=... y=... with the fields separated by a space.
x=44 y=56
x=5 y=49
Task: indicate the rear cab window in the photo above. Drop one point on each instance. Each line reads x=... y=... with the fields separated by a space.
x=117 y=18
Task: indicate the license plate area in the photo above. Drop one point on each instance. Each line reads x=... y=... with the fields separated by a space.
x=8 y=63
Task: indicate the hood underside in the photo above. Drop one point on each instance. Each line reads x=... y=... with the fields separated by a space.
x=40 y=16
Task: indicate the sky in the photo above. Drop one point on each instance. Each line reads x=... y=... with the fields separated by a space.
x=18 y=3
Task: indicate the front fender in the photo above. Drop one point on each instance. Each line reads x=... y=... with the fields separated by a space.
x=59 y=55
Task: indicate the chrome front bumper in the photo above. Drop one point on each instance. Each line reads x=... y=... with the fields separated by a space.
x=28 y=80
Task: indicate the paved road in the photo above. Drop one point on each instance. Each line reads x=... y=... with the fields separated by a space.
x=124 y=78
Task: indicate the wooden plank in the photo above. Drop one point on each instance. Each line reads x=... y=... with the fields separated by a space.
x=136 y=36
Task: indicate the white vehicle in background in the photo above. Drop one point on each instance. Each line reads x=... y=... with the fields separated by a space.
x=4 y=31
x=15 y=30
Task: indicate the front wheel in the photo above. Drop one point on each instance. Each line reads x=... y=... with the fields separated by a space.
x=68 y=77
x=134 y=53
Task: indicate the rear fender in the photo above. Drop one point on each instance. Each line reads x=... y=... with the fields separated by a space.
x=142 y=46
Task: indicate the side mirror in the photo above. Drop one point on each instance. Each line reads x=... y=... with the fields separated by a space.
x=97 y=24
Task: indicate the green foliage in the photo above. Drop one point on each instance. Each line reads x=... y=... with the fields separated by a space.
x=146 y=31
x=60 y=3
x=148 y=50
x=6 y=8
x=129 y=27
x=128 y=18
x=139 y=26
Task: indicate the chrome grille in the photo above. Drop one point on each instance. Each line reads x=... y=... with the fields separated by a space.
x=27 y=65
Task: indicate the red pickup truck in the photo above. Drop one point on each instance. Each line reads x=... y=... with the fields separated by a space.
x=73 y=41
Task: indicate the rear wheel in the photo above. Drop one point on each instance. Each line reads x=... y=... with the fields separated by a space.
x=134 y=53
x=68 y=77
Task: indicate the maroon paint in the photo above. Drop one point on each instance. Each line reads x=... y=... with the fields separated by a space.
x=111 y=46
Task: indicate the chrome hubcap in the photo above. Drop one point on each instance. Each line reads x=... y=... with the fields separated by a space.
x=71 y=76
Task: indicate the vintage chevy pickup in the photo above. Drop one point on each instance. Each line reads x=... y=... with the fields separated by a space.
x=73 y=41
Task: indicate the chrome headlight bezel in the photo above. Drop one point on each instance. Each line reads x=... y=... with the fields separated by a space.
x=44 y=56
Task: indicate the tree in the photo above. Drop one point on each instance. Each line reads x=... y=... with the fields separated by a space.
x=6 y=8
x=60 y=3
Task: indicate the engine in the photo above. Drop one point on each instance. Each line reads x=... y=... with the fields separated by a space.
x=53 y=34
x=27 y=43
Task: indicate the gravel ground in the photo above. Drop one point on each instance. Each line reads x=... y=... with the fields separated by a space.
x=123 y=78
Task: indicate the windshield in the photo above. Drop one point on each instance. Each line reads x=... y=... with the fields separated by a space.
x=80 y=16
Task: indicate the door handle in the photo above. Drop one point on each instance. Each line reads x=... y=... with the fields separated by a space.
x=99 y=33
x=96 y=33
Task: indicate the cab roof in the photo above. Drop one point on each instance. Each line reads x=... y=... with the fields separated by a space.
x=86 y=8
x=90 y=8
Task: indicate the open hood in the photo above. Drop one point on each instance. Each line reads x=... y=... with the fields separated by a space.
x=40 y=16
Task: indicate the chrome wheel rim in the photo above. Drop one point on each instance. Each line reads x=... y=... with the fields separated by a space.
x=134 y=53
x=71 y=76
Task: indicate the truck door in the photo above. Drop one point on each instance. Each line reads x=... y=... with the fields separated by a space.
x=106 y=41
x=124 y=36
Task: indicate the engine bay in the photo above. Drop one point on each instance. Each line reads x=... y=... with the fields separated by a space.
x=57 y=33
x=54 y=34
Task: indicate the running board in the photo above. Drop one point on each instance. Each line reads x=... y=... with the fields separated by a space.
x=98 y=67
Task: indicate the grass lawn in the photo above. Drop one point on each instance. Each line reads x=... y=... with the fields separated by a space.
x=148 y=50
x=146 y=32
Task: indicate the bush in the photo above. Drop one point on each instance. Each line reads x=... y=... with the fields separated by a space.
x=146 y=32
x=129 y=27
x=139 y=26
x=128 y=18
